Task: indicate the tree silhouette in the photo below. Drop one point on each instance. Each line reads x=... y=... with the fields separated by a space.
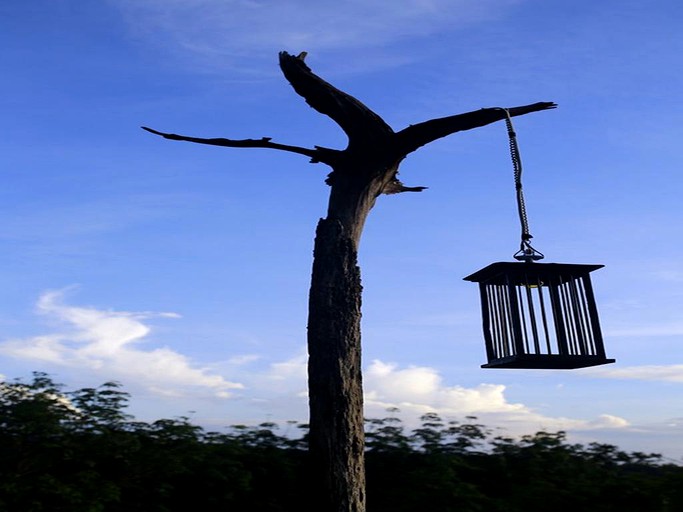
x=364 y=170
x=79 y=451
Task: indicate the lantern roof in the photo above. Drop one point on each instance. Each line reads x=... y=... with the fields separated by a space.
x=500 y=272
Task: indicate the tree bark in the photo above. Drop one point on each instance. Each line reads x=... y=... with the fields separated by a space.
x=365 y=169
x=336 y=438
x=335 y=387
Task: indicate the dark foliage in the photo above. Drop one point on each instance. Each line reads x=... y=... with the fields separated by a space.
x=78 y=451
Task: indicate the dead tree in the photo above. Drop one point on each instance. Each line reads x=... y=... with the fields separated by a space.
x=364 y=170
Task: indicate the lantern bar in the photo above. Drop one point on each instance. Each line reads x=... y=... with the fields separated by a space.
x=539 y=316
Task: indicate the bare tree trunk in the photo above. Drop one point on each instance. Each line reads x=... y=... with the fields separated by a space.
x=334 y=373
x=367 y=168
x=335 y=387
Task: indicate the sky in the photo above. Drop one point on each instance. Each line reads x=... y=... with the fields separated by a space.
x=182 y=271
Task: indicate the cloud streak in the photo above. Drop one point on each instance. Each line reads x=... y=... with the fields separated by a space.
x=418 y=387
x=648 y=330
x=658 y=373
x=220 y=29
x=113 y=343
x=110 y=343
x=416 y=390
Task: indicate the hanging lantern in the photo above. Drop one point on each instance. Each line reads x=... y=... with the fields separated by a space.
x=538 y=315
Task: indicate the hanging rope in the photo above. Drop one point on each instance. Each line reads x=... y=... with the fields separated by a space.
x=526 y=251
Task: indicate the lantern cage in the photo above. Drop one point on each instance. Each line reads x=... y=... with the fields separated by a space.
x=539 y=316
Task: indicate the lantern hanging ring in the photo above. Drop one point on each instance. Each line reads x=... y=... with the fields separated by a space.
x=526 y=251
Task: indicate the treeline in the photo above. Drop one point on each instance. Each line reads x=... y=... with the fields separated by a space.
x=79 y=451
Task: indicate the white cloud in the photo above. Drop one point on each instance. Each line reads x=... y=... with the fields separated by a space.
x=416 y=390
x=421 y=388
x=113 y=344
x=662 y=373
x=243 y=359
x=672 y=276
x=220 y=29
x=292 y=369
x=606 y=421
x=660 y=328
x=109 y=341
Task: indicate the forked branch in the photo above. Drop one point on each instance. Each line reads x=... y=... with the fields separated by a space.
x=363 y=126
x=372 y=142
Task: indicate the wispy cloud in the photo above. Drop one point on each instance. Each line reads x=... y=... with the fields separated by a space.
x=416 y=390
x=220 y=29
x=291 y=369
x=670 y=275
x=661 y=373
x=110 y=342
x=422 y=388
x=279 y=391
x=663 y=328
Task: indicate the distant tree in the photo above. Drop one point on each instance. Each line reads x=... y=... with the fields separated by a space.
x=386 y=434
x=78 y=451
x=49 y=459
x=99 y=409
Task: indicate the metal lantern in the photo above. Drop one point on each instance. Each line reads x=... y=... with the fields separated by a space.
x=538 y=315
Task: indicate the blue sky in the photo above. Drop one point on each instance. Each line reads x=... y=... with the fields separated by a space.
x=183 y=270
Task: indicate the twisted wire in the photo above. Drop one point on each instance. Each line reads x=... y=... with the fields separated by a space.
x=526 y=251
x=517 y=167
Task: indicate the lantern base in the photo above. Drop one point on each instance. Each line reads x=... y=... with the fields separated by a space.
x=547 y=362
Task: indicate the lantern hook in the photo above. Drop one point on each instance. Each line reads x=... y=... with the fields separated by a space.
x=526 y=251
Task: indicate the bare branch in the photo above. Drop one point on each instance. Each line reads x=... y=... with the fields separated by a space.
x=396 y=187
x=362 y=126
x=319 y=154
x=415 y=136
